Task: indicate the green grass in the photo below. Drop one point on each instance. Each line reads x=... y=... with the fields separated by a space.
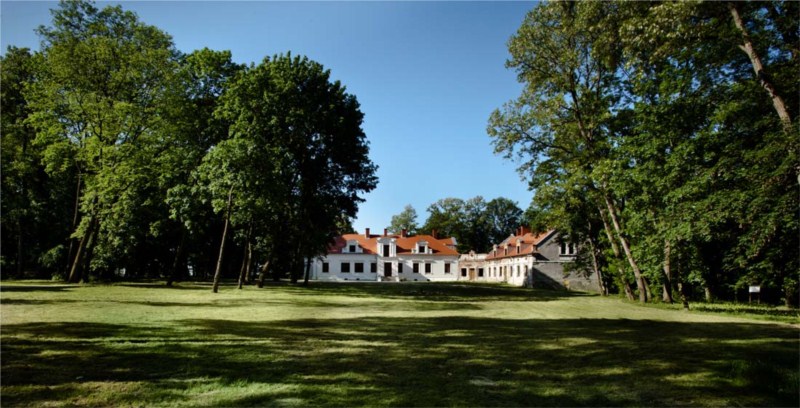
x=374 y=344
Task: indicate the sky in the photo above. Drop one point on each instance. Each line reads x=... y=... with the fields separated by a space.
x=427 y=76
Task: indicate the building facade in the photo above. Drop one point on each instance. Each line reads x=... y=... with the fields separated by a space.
x=388 y=257
x=536 y=260
x=523 y=259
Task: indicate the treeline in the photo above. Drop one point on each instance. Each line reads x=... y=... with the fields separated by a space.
x=475 y=223
x=121 y=153
x=663 y=137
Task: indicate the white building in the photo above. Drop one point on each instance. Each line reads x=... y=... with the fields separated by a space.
x=522 y=259
x=366 y=257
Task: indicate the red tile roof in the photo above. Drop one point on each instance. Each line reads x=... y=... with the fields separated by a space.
x=405 y=245
x=527 y=240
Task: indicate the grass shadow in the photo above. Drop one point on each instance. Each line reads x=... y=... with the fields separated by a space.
x=5 y=287
x=409 y=361
x=434 y=291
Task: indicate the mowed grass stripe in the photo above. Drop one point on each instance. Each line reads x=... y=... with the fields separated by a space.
x=380 y=345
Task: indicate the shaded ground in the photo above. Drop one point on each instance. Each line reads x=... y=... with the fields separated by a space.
x=442 y=345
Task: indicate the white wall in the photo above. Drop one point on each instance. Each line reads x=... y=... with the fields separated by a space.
x=437 y=267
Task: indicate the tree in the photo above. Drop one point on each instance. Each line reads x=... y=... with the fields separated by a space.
x=406 y=221
x=33 y=219
x=650 y=116
x=564 y=122
x=97 y=107
x=503 y=217
x=205 y=75
x=296 y=162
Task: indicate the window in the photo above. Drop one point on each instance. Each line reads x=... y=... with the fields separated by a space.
x=423 y=249
x=386 y=250
x=373 y=267
x=480 y=272
x=463 y=271
x=447 y=268
x=352 y=249
x=427 y=267
x=568 y=249
x=359 y=267
x=345 y=267
x=518 y=273
x=326 y=267
x=399 y=267
x=416 y=267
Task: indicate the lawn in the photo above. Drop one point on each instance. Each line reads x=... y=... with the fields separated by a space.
x=373 y=344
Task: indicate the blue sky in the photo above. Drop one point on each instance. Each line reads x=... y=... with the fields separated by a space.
x=427 y=75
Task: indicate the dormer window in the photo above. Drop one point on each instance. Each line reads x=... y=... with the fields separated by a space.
x=422 y=247
x=567 y=249
x=352 y=247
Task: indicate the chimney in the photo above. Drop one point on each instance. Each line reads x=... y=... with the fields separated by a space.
x=367 y=233
x=403 y=233
x=385 y=232
x=433 y=234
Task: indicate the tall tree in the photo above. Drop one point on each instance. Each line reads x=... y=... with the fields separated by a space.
x=564 y=123
x=296 y=160
x=104 y=75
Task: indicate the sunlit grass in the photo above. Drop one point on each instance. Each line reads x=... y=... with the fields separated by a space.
x=380 y=345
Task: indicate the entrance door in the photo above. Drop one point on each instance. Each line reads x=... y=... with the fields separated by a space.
x=472 y=274
x=387 y=269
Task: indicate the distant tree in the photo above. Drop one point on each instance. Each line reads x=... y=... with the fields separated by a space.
x=405 y=220
x=477 y=226
x=446 y=217
x=503 y=217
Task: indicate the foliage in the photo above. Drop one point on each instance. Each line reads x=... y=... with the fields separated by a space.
x=645 y=134
x=406 y=221
x=297 y=159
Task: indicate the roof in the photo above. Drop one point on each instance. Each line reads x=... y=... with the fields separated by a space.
x=405 y=244
x=522 y=243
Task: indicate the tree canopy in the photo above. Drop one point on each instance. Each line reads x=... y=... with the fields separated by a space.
x=125 y=156
x=662 y=136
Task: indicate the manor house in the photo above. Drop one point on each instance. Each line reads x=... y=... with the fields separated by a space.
x=524 y=258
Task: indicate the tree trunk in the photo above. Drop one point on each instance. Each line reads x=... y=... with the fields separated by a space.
x=308 y=272
x=263 y=273
x=667 y=273
x=178 y=255
x=626 y=285
x=73 y=273
x=709 y=296
x=758 y=67
x=249 y=263
x=640 y=281
x=296 y=265
x=679 y=281
x=74 y=221
x=20 y=263
x=245 y=257
x=596 y=267
x=87 y=259
x=218 y=270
